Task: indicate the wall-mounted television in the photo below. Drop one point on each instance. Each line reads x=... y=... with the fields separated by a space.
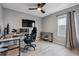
x=28 y=23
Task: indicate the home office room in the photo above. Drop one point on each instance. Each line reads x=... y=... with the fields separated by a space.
x=39 y=29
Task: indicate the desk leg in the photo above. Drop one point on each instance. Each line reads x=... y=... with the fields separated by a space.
x=19 y=47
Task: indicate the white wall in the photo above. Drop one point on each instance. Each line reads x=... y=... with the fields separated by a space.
x=14 y=19
x=1 y=18
x=50 y=23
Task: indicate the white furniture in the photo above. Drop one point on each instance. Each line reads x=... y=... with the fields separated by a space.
x=2 y=41
x=46 y=36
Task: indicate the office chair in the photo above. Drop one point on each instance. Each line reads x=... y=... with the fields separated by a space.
x=30 y=38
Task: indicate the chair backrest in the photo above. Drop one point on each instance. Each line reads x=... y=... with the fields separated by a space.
x=33 y=34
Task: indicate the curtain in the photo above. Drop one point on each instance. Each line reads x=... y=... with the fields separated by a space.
x=71 y=39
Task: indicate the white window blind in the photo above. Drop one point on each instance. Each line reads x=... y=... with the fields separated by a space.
x=61 y=25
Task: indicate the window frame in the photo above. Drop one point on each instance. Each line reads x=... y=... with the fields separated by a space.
x=58 y=34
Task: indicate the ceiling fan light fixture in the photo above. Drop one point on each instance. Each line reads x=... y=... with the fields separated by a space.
x=39 y=9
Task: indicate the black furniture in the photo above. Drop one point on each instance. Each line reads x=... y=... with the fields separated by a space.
x=30 y=38
x=28 y=23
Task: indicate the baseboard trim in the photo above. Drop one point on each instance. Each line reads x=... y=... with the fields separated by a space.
x=58 y=43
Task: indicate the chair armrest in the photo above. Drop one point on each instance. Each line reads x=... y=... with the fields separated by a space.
x=29 y=35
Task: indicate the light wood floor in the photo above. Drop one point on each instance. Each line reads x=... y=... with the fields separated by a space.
x=50 y=49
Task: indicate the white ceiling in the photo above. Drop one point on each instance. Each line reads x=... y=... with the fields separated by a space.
x=49 y=8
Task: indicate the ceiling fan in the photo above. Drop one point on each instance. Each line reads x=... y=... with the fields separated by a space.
x=39 y=7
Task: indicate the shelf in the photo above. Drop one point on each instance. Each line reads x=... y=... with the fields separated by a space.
x=11 y=47
x=13 y=52
x=46 y=38
x=3 y=49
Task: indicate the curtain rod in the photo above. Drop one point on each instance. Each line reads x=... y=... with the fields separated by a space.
x=64 y=13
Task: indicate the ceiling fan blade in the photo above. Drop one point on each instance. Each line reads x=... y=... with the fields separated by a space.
x=32 y=8
x=42 y=4
x=42 y=11
x=38 y=5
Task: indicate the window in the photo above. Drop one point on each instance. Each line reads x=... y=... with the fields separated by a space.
x=61 y=25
